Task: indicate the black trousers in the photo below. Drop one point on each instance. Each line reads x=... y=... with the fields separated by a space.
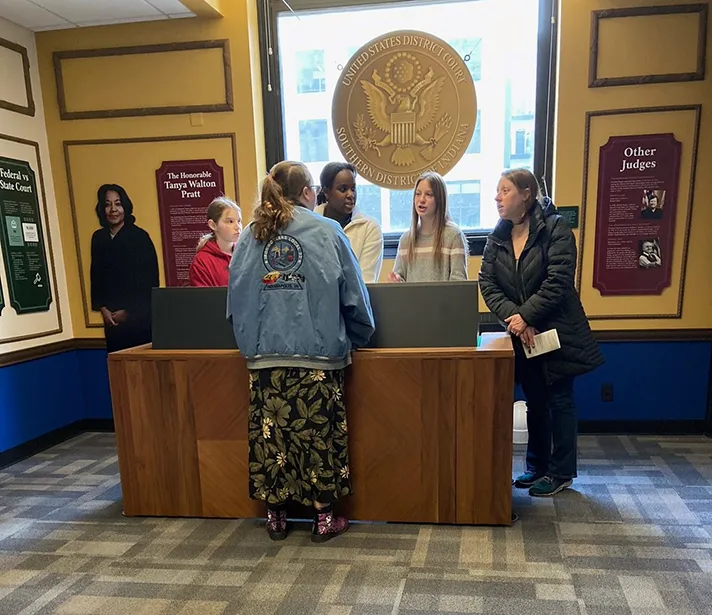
x=552 y=422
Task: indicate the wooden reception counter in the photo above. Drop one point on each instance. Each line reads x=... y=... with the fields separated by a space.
x=430 y=433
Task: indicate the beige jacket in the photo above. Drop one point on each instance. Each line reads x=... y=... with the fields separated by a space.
x=366 y=240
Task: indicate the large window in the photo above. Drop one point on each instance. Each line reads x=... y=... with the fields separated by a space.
x=475 y=146
x=507 y=58
x=400 y=210
x=310 y=68
x=470 y=49
x=369 y=201
x=313 y=141
x=464 y=204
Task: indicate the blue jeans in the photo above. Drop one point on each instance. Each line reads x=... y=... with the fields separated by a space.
x=551 y=416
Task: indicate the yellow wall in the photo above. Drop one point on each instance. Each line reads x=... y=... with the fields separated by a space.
x=206 y=8
x=633 y=46
x=239 y=25
x=27 y=330
x=134 y=166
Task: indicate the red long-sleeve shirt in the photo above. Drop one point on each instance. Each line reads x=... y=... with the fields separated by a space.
x=210 y=266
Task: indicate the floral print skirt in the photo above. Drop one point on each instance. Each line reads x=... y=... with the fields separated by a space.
x=298 y=436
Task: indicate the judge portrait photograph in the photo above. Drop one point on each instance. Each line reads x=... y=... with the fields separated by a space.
x=653 y=201
x=649 y=254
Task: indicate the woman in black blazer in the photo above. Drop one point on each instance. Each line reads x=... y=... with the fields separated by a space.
x=124 y=270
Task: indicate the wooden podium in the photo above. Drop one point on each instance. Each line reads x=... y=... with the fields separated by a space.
x=430 y=433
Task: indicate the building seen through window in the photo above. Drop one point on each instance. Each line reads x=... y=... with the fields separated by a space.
x=310 y=67
x=314 y=48
x=313 y=141
x=475 y=146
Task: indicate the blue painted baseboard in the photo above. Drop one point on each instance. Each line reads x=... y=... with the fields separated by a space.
x=653 y=382
x=95 y=383
x=43 y=395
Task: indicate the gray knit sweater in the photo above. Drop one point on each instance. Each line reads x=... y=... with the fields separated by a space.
x=424 y=268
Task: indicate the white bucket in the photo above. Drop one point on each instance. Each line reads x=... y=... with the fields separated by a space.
x=521 y=435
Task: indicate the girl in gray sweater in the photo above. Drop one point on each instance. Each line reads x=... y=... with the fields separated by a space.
x=434 y=249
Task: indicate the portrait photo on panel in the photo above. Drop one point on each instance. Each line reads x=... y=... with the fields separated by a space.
x=652 y=204
x=124 y=270
x=650 y=256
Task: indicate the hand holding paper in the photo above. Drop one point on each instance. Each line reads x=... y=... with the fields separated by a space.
x=542 y=344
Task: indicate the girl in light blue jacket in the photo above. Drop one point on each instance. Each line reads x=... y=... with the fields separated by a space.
x=298 y=306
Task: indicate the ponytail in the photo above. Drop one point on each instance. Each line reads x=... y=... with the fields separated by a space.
x=203 y=241
x=281 y=191
x=274 y=212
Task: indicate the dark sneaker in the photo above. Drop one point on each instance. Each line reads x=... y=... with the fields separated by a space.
x=277 y=524
x=549 y=485
x=326 y=526
x=526 y=480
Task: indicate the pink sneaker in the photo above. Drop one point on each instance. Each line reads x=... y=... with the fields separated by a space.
x=326 y=526
x=277 y=524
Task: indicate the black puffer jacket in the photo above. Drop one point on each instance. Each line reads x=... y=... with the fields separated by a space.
x=540 y=288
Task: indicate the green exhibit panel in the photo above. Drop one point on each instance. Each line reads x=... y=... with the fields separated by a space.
x=23 y=241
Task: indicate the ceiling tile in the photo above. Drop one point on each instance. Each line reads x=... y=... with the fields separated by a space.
x=59 y=14
x=109 y=22
x=98 y=11
x=170 y=7
x=29 y=15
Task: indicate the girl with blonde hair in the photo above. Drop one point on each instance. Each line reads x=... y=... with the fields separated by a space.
x=211 y=263
x=434 y=249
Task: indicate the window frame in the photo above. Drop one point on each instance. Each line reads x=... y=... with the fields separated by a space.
x=268 y=13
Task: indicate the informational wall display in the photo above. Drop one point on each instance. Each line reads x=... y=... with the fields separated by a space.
x=185 y=189
x=570 y=213
x=637 y=204
x=22 y=238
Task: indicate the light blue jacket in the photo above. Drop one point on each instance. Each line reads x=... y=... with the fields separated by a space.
x=298 y=300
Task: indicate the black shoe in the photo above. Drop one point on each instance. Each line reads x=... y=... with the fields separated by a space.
x=276 y=525
x=526 y=480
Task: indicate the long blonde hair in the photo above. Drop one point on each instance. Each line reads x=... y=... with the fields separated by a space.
x=281 y=190
x=215 y=211
x=437 y=185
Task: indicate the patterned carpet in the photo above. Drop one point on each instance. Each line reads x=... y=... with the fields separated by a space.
x=633 y=537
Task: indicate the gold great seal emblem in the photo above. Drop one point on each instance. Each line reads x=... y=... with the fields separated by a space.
x=405 y=103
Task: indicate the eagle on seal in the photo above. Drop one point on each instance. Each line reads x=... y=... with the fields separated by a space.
x=404 y=115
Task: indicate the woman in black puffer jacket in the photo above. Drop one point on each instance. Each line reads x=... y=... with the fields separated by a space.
x=527 y=281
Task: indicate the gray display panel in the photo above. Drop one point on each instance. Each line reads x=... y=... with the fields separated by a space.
x=420 y=315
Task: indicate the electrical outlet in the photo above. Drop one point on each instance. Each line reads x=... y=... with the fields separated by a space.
x=607 y=393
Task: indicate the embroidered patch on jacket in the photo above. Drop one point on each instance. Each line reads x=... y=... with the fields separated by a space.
x=282 y=257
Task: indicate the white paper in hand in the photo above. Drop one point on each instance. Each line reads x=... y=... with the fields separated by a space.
x=543 y=343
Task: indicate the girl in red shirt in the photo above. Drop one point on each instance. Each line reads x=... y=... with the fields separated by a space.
x=211 y=263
